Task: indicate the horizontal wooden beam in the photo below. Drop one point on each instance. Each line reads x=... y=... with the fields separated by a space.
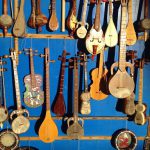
x=70 y=138
x=52 y=36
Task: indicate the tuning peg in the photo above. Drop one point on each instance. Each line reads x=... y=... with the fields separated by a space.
x=42 y=55
x=6 y=56
x=51 y=61
x=59 y=58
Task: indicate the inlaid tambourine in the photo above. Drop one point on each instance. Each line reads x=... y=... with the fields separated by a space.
x=125 y=140
x=8 y=140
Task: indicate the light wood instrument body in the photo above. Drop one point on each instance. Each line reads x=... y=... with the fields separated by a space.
x=48 y=131
x=131 y=35
x=111 y=35
x=53 y=21
x=121 y=84
x=19 y=28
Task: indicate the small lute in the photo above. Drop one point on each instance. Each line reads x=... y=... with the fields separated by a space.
x=19 y=28
x=140 y=115
x=48 y=131
x=131 y=35
x=53 y=21
x=111 y=35
x=121 y=84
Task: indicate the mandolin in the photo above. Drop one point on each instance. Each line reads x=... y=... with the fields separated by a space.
x=98 y=88
x=75 y=124
x=111 y=35
x=33 y=96
x=19 y=28
x=48 y=131
x=21 y=123
x=95 y=35
x=59 y=106
x=53 y=21
x=31 y=20
x=5 y=19
x=40 y=18
x=121 y=84
x=3 y=109
x=82 y=26
x=130 y=31
x=71 y=21
x=140 y=108
x=85 y=95
x=129 y=101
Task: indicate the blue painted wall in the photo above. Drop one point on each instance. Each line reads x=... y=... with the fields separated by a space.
x=105 y=107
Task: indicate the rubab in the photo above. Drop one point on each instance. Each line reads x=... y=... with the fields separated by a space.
x=111 y=35
x=21 y=123
x=53 y=21
x=82 y=26
x=59 y=106
x=98 y=88
x=33 y=96
x=129 y=101
x=48 y=131
x=3 y=109
x=19 y=28
x=140 y=108
x=75 y=130
x=95 y=35
x=5 y=19
x=85 y=95
x=121 y=84
x=131 y=35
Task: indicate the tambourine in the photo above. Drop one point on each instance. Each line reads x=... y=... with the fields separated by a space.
x=125 y=140
x=8 y=140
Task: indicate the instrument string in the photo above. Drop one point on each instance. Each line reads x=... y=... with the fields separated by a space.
x=78 y=144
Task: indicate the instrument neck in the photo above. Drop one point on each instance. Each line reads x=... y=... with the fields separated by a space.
x=38 y=7
x=130 y=10
x=84 y=12
x=140 y=85
x=75 y=91
x=97 y=16
x=53 y=6
x=146 y=9
x=74 y=6
x=5 y=7
x=110 y=9
x=85 y=77
x=17 y=88
x=33 y=6
x=122 y=55
x=100 y=67
x=21 y=6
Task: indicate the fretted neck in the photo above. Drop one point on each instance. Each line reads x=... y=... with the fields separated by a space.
x=17 y=88
x=97 y=16
x=32 y=68
x=100 y=67
x=130 y=10
x=146 y=9
x=5 y=7
x=33 y=6
x=85 y=77
x=22 y=5
x=1 y=87
x=74 y=6
x=110 y=9
x=53 y=6
x=84 y=12
x=122 y=55
x=75 y=91
x=140 y=86
x=47 y=90
x=38 y=7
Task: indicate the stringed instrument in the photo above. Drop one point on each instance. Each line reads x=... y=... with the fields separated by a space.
x=5 y=19
x=82 y=26
x=98 y=88
x=33 y=96
x=111 y=35
x=85 y=95
x=146 y=145
x=48 y=131
x=140 y=108
x=3 y=109
x=75 y=123
x=32 y=20
x=129 y=101
x=40 y=18
x=121 y=84
x=21 y=123
x=95 y=35
x=19 y=28
x=53 y=21
x=130 y=31
x=71 y=21
x=59 y=106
